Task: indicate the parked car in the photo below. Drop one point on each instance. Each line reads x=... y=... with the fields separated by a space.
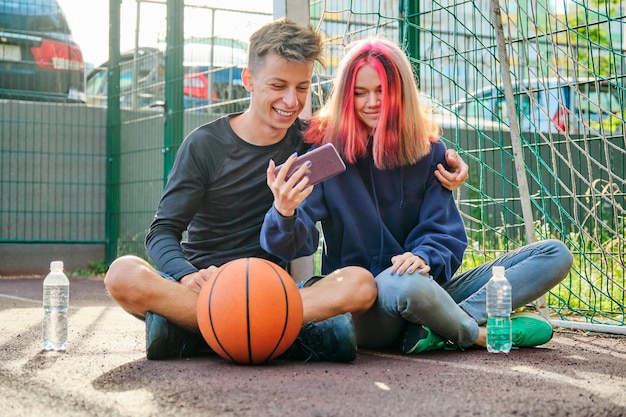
x=554 y=105
x=142 y=80
x=39 y=59
x=149 y=68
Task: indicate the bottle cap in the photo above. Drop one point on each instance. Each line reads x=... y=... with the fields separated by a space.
x=498 y=270
x=56 y=266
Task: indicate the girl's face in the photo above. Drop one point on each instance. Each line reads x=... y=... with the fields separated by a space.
x=367 y=95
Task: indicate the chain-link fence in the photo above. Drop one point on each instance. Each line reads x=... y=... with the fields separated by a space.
x=564 y=66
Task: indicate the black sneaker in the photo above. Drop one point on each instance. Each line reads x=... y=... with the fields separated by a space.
x=164 y=340
x=418 y=338
x=333 y=340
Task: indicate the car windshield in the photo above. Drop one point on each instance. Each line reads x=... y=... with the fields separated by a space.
x=32 y=16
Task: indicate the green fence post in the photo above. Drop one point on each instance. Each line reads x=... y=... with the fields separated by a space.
x=412 y=46
x=113 y=119
x=174 y=72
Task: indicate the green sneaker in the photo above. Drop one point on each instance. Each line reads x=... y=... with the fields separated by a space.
x=530 y=329
x=164 y=340
x=418 y=338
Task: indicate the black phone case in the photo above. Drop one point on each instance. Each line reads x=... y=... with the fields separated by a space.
x=325 y=163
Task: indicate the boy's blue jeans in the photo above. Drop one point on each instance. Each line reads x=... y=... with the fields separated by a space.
x=456 y=309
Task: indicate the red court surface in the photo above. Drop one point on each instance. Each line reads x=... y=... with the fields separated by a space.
x=105 y=373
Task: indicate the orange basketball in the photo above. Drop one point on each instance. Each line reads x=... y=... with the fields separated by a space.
x=250 y=311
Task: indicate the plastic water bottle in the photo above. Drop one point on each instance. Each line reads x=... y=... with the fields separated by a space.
x=56 y=295
x=499 y=336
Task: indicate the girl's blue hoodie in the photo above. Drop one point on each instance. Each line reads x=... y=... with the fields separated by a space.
x=368 y=215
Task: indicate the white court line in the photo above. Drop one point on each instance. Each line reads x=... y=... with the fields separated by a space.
x=592 y=347
x=413 y=358
x=30 y=300
x=14 y=297
x=612 y=389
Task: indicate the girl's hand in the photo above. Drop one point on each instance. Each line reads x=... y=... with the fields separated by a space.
x=452 y=179
x=288 y=194
x=409 y=263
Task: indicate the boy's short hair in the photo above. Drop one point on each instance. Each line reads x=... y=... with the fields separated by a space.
x=287 y=39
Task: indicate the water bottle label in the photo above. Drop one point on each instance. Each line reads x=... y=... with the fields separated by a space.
x=55 y=296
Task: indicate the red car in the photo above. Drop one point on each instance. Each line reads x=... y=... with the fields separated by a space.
x=196 y=84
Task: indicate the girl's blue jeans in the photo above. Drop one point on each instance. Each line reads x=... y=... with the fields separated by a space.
x=456 y=309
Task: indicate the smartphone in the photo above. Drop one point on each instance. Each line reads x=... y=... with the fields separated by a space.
x=325 y=163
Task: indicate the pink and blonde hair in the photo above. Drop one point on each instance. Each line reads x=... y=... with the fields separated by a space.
x=404 y=129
